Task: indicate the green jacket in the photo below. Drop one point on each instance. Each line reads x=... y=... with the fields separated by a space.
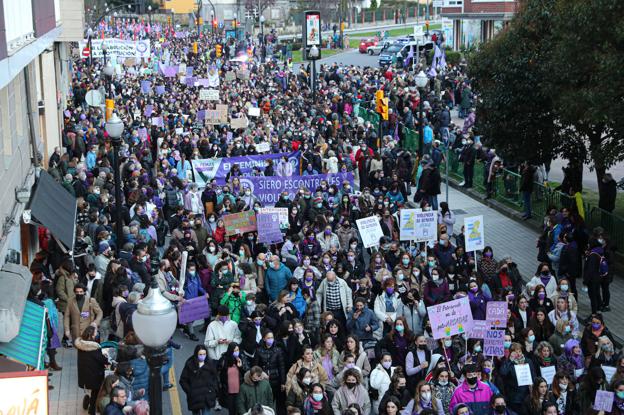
x=235 y=304
x=251 y=394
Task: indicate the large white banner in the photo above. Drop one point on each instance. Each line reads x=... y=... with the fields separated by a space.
x=417 y=225
x=119 y=48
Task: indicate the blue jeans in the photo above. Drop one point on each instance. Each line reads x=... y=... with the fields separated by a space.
x=526 y=201
x=433 y=201
x=165 y=369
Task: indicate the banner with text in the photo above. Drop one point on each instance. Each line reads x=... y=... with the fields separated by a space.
x=450 y=318
x=120 y=48
x=218 y=168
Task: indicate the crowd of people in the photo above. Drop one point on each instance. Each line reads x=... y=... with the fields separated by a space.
x=317 y=324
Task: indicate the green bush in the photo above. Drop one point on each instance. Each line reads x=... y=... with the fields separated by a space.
x=452 y=57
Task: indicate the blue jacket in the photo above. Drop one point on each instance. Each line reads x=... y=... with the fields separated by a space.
x=427 y=135
x=358 y=326
x=193 y=287
x=90 y=160
x=299 y=302
x=276 y=280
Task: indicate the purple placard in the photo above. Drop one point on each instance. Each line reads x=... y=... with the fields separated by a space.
x=204 y=82
x=157 y=121
x=450 y=318
x=496 y=313
x=201 y=115
x=171 y=71
x=494 y=343
x=269 y=189
x=269 y=228
x=180 y=35
x=189 y=71
x=208 y=169
x=146 y=87
x=604 y=401
x=148 y=110
x=194 y=309
x=190 y=81
x=160 y=89
x=478 y=329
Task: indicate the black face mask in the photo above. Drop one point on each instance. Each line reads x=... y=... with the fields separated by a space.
x=471 y=381
x=500 y=409
x=79 y=296
x=422 y=347
x=351 y=385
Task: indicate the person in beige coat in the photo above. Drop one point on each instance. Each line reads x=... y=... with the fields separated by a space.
x=319 y=375
x=82 y=312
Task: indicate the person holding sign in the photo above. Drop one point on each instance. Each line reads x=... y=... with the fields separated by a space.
x=511 y=379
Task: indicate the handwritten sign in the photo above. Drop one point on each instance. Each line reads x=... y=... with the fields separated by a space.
x=450 y=318
x=496 y=313
x=238 y=223
x=370 y=231
x=254 y=111
x=237 y=123
x=494 y=343
x=209 y=94
x=269 y=228
x=523 y=375
x=194 y=309
x=218 y=115
x=478 y=329
x=604 y=401
x=24 y=392
x=548 y=373
x=282 y=214
x=230 y=76
x=475 y=237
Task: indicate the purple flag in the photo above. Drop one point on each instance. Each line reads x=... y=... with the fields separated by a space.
x=148 y=110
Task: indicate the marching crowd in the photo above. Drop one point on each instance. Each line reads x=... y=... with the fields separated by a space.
x=317 y=324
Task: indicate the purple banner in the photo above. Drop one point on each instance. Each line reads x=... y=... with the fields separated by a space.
x=208 y=169
x=204 y=82
x=269 y=189
x=190 y=80
x=189 y=71
x=194 y=309
x=269 y=228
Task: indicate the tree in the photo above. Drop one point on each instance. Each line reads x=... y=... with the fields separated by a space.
x=373 y=5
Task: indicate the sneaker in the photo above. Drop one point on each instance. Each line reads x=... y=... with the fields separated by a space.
x=217 y=407
x=462 y=183
x=67 y=344
x=167 y=387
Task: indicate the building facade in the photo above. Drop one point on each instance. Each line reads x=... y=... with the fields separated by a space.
x=476 y=21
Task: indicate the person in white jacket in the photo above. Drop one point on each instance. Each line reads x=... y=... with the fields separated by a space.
x=221 y=332
x=380 y=379
x=386 y=305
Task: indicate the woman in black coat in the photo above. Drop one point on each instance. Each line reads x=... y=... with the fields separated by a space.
x=271 y=359
x=232 y=366
x=200 y=381
x=91 y=364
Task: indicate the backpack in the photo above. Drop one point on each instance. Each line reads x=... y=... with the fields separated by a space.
x=603 y=266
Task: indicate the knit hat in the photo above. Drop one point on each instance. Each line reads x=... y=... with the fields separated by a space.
x=103 y=247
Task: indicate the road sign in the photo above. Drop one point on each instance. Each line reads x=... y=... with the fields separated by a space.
x=86 y=52
x=93 y=98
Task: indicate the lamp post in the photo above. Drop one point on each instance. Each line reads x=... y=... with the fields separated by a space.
x=89 y=36
x=313 y=55
x=263 y=50
x=421 y=83
x=114 y=128
x=149 y=15
x=154 y=323
x=108 y=72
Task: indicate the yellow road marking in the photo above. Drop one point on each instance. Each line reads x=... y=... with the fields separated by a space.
x=174 y=396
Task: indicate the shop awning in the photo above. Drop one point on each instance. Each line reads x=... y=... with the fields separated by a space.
x=14 y=279
x=29 y=346
x=54 y=207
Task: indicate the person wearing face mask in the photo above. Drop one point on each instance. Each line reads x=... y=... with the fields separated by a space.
x=200 y=382
x=380 y=378
x=138 y=263
x=317 y=401
x=472 y=391
x=618 y=402
x=478 y=300
x=231 y=367
x=563 y=394
x=82 y=311
x=299 y=387
x=498 y=406
x=540 y=300
x=221 y=332
x=436 y=289
x=509 y=378
x=398 y=391
x=396 y=342
x=606 y=354
x=592 y=382
x=310 y=246
x=443 y=388
x=413 y=310
x=386 y=305
x=424 y=401
x=351 y=392
x=417 y=361
x=91 y=364
x=544 y=278
x=271 y=359
x=563 y=333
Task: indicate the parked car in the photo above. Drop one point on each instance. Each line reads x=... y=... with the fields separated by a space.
x=388 y=56
x=365 y=43
x=378 y=48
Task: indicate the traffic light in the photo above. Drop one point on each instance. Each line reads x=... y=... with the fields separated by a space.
x=427 y=26
x=218 y=50
x=234 y=24
x=195 y=48
x=215 y=23
x=384 y=109
x=379 y=96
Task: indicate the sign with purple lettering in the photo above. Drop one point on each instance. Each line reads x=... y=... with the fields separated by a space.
x=450 y=318
x=494 y=343
x=269 y=228
x=478 y=329
x=269 y=189
x=496 y=313
x=193 y=309
x=603 y=401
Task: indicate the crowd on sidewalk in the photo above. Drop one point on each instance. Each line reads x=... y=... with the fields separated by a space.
x=317 y=324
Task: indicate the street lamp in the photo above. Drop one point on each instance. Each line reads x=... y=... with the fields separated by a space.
x=263 y=50
x=313 y=55
x=421 y=83
x=154 y=323
x=149 y=14
x=89 y=36
x=114 y=128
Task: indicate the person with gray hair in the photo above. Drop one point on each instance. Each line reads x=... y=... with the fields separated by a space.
x=335 y=295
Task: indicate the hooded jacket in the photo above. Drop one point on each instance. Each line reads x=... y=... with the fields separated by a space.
x=478 y=400
x=91 y=364
x=276 y=280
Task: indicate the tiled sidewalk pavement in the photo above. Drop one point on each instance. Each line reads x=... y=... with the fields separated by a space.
x=505 y=235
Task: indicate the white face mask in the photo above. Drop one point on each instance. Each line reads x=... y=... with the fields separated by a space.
x=426 y=396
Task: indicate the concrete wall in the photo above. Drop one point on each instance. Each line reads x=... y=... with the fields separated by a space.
x=73 y=20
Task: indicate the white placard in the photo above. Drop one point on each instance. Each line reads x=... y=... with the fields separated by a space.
x=182 y=68
x=417 y=225
x=254 y=111
x=609 y=371
x=548 y=373
x=474 y=233
x=523 y=375
x=370 y=231
x=209 y=94
x=282 y=213
x=263 y=147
